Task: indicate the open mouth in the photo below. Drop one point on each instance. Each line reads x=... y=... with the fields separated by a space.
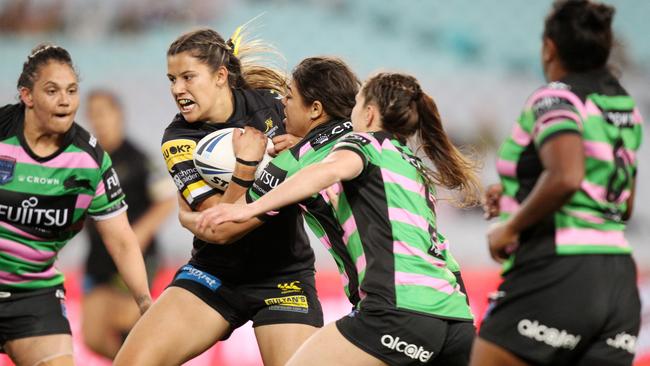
x=186 y=105
x=61 y=115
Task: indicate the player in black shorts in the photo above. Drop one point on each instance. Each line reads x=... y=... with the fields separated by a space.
x=53 y=175
x=411 y=308
x=108 y=312
x=318 y=103
x=568 y=171
x=215 y=86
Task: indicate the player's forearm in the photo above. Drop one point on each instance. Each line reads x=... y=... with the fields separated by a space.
x=296 y=188
x=235 y=190
x=127 y=256
x=188 y=220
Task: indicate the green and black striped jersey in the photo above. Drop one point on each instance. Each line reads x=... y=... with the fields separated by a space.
x=44 y=200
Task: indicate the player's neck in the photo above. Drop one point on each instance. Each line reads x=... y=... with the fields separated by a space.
x=223 y=107
x=42 y=143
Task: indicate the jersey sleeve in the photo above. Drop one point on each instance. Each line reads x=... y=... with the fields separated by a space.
x=555 y=110
x=270 y=113
x=108 y=200
x=359 y=143
x=177 y=150
x=277 y=171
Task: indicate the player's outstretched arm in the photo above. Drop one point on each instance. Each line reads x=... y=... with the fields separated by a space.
x=122 y=245
x=338 y=166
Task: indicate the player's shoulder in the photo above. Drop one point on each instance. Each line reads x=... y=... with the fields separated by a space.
x=552 y=96
x=9 y=116
x=87 y=142
x=360 y=139
x=177 y=128
x=262 y=98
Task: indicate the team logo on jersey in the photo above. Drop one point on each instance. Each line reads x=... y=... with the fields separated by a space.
x=287 y=288
x=7 y=165
x=112 y=184
x=72 y=182
x=277 y=95
x=268 y=125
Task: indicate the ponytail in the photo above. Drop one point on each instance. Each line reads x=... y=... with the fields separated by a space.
x=406 y=111
x=454 y=170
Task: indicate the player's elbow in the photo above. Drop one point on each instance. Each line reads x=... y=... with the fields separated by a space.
x=567 y=183
x=219 y=236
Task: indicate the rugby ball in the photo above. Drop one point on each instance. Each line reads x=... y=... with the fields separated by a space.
x=214 y=158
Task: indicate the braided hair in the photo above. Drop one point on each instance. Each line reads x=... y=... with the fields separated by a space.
x=41 y=55
x=407 y=111
x=239 y=56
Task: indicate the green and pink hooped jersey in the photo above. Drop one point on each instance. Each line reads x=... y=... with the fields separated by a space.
x=596 y=107
x=389 y=229
x=44 y=201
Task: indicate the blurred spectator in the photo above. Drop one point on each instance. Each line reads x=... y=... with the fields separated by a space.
x=108 y=310
x=25 y=16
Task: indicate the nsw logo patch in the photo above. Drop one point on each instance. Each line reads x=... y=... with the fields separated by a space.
x=7 y=165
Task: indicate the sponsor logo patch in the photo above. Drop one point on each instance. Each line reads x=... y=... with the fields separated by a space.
x=112 y=184
x=269 y=179
x=410 y=350
x=556 y=338
x=624 y=341
x=296 y=303
x=177 y=151
x=41 y=214
x=188 y=272
x=355 y=139
x=620 y=118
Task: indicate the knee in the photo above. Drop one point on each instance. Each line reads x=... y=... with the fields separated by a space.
x=134 y=356
x=95 y=340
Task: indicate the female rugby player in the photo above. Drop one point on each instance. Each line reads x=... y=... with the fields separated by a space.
x=412 y=309
x=318 y=104
x=216 y=84
x=52 y=174
x=569 y=295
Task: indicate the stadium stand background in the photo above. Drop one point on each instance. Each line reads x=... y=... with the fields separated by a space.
x=479 y=59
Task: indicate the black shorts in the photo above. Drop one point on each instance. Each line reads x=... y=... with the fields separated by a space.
x=568 y=310
x=286 y=299
x=404 y=338
x=32 y=313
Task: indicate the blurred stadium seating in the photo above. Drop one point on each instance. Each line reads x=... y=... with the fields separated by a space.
x=478 y=58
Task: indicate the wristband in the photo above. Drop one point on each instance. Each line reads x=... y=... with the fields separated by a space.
x=247 y=162
x=242 y=182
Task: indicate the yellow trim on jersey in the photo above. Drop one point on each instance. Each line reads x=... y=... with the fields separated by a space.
x=177 y=151
x=195 y=189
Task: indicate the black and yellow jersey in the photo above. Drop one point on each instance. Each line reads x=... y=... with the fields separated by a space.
x=279 y=246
